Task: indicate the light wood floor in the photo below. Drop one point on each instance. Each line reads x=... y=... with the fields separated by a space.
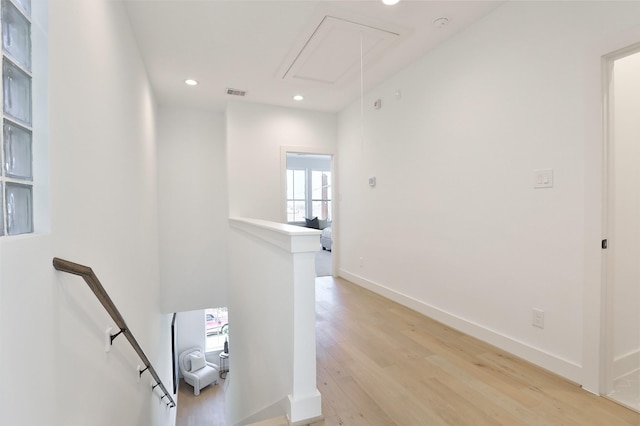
x=206 y=409
x=382 y=364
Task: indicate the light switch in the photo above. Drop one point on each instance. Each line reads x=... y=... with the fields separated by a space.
x=543 y=178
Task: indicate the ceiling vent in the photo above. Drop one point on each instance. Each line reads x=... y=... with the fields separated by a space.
x=236 y=92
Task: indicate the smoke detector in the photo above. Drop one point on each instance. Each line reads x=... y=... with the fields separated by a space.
x=441 y=22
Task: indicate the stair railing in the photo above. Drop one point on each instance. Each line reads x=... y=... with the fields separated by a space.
x=94 y=284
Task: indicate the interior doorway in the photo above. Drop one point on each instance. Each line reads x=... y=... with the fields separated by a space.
x=623 y=230
x=309 y=191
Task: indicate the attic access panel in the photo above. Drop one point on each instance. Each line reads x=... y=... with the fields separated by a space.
x=332 y=53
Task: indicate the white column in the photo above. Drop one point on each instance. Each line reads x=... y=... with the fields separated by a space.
x=305 y=400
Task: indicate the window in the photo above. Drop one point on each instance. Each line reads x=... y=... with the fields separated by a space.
x=296 y=195
x=16 y=176
x=308 y=187
x=216 y=328
x=321 y=194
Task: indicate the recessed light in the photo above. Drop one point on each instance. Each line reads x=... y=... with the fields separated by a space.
x=298 y=98
x=191 y=82
x=390 y=2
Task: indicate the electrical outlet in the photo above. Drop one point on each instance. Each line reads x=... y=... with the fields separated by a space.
x=537 y=319
x=543 y=178
x=361 y=261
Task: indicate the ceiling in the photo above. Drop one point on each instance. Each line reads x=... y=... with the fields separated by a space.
x=276 y=49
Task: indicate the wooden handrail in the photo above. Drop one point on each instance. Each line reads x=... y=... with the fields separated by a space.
x=94 y=284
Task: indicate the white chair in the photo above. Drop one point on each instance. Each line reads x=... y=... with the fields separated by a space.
x=196 y=370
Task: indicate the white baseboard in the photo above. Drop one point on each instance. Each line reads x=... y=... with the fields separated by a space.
x=567 y=369
x=626 y=364
x=304 y=410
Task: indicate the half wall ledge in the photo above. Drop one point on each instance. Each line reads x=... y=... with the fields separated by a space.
x=280 y=234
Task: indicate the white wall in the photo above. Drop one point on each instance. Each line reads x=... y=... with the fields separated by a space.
x=29 y=325
x=454 y=227
x=272 y=299
x=192 y=209
x=261 y=309
x=625 y=238
x=103 y=187
x=190 y=331
x=27 y=296
x=255 y=134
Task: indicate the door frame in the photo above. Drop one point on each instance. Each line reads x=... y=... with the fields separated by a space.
x=335 y=226
x=594 y=324
x=607 y=361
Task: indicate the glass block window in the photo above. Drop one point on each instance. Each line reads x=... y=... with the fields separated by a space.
x=16 y=173
x=16 y=85
x=16 y=37
x=19 y=202
x=17 y=151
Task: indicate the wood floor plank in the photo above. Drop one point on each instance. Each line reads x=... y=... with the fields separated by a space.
x=470 y=361
x=508 y=400
x=395 y=399
x=484 y=402
x=204 y=409
x=364 y=403
x=334 y=400
x=429 y=389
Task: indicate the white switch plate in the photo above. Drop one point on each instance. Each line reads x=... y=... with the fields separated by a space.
x=543 y=178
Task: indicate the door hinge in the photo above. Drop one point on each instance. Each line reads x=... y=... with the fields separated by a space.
x=605 y=244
